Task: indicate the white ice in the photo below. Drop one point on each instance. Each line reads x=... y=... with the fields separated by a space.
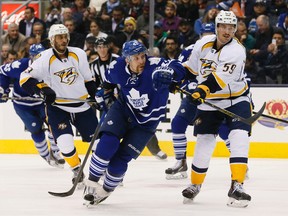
x=26 y=179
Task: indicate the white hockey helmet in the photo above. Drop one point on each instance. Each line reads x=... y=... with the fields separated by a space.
x=57 y=29
x=226 y=17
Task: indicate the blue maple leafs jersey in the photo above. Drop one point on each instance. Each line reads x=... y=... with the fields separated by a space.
x=142 y=103
x=11 y=72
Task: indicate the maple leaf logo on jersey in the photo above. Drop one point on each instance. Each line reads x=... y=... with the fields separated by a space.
x=136 y=100
x=68 y=75
x=207 y=67
x=15 y=64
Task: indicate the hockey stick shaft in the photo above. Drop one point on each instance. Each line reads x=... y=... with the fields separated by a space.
x=248 y=121
x=41 y=99
x=71 y=191
x=274 y=118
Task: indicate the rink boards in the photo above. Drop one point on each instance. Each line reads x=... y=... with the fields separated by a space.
x=269 y=138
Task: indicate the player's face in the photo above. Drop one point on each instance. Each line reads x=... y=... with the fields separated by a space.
x=61 y=42
x=137 y=63
x=225 y=32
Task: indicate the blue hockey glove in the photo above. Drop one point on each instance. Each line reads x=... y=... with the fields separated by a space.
x=4 y=95
x=162 y=77
x=102 y=99
x=199 y=94
x=47 y=93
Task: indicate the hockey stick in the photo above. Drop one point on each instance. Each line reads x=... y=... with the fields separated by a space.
x=273 y=118
x=248 y=121
x=41 y=99
x=71 y=191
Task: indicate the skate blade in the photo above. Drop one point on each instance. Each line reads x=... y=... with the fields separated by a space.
x=232 y=202
x=80 y=185
x=187 y=201
x=89 y=204
x=176 y=176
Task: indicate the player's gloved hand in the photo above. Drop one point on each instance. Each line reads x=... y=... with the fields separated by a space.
x=47 y=93
x=4 y=95
x=102 y=99
x=162 y=77
x=199 y=94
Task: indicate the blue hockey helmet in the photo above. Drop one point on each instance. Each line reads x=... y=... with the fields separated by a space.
x=132 y=47
x=35 y=49
x=207 y=28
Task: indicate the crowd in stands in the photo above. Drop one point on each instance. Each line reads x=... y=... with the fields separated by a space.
x=262 y=29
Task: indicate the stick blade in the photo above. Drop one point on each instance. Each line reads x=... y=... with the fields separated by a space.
x=257 y=115
x=62 y=194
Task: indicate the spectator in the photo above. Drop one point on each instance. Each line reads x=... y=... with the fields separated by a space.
x=95 y=29
x=283 y=24
x=67 y=14
x=76 y=39
x=171 y=20
x=12 y=56
x=189 y=10
x=113 y=47
x=13 y=37
x=279 y=7
x=263 y=38
x=116 y=24
x=78 y=10
x=129 y=32
x=172 y=50
x=38 y=31
x=134 y=8
x=90 y=45
x=160 y=6
x=106 y=10
x=54 y=13
x=186 y=35
x=143 y=20
x=25 y=25
x=89 y=15
x=159 y=36
x=24 y=53
x=275 y=67
x=244 y=37
x=209 y=17
x=4 y=52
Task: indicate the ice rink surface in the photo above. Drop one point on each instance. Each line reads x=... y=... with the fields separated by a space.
x=26 y=179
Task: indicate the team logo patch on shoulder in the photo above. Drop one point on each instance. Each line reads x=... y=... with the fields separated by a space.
x=37 y=56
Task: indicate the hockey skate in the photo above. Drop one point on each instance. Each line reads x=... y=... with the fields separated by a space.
x=179 y=171
x=237 y=196
x=94 y=193
x=80 y=183
x=56 y=159
x=190 y=193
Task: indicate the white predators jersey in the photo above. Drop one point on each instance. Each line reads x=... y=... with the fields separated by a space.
x=227 y=67
x=66 y=77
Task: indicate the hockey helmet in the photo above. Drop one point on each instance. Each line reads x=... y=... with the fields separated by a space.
x=35 y=49
x=57 y=29
x=133 y=47
x=101 y=41
x=226 y=17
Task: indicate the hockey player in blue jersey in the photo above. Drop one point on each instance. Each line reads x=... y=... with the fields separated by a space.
x=31 y=112
x=133 y=118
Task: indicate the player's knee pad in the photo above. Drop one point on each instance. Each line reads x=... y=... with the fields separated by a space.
x=65 y=143
x=239 y=143
x=38 y=136
x=179 y=124
x=107 y=146
x=204 y=149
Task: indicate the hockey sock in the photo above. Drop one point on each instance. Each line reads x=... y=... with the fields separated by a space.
x=238 y=167
x=97 y=167
x=111 y=181
x=179 y=145
x=198 y=175
x=53 y=145
x=41 y=144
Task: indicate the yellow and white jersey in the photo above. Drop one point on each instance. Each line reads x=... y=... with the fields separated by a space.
x=227 y=67
x=66 y=77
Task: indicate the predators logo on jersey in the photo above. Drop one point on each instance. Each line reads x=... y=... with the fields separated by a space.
x=68 y=75
x=207 y=67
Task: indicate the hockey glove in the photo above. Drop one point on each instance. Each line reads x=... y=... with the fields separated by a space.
x=4 y=95
x=47 y=93
x=102 y=99
x=162 y=77
x=199 y=94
